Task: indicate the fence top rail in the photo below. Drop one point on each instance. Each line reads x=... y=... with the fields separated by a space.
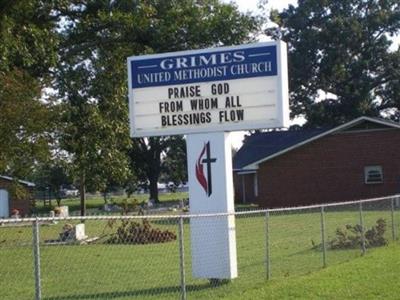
x=186 y=216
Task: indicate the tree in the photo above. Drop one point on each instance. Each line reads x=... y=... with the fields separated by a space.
x=342 y=50
x=99 y=37
x=28 y=50
x=174 y=164
x=52 y=176
x=152 y=157
x=95 y=133
x=185 y=25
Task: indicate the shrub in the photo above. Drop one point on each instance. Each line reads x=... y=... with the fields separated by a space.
x=67 y=232
x=129 y=205
x=131 y=232
x=350 y=236
x=375 y=236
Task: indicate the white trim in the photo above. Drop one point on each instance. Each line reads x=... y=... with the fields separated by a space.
x=4 y=203
x=254 y=165
x=250 y=167
x=364 y=130
x=189 y=52
x=369 y=168
x=255 y=178
x=283 y=83
x=246 y=172
x=243 y=191
x=130 y=98
x=27 y=183
x=279 y=116
x=218 y=127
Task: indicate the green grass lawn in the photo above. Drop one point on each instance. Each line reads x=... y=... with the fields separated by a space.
x=374 y=276
x=102 y=271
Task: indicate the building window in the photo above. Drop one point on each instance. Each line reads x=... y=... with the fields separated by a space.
x=373 y=174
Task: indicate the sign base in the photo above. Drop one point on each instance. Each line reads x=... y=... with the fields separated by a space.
x=213 y=239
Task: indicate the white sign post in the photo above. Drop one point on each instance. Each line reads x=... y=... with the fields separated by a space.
x=204 y=94
x=211 y=191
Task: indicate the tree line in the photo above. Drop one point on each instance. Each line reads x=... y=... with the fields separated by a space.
x=63 y=79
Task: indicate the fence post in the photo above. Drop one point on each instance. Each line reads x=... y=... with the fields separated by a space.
x=267 y=255
x=393 y=222
x=323 y=243
x=36 y=257
x=362 y=230
x=182 y=259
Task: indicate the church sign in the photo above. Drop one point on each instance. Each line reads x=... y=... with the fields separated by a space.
x=205 y=94
x=220 y=89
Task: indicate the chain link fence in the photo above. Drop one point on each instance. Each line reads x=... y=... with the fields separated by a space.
x=150 y=257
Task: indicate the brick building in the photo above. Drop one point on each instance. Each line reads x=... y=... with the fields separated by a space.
x=357 y=160
x=15 y=196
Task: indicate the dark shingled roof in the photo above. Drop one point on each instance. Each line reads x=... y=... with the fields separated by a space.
x=262 y=145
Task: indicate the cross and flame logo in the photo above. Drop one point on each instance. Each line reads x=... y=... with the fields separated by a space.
x=205 y=181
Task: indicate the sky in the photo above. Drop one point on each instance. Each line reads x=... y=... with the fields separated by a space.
x=251 y=6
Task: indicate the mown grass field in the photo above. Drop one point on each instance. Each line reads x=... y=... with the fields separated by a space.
x=374 y=276
x=103 y=271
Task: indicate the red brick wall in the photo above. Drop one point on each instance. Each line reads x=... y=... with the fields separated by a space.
x=331 y=169
x=23 y=205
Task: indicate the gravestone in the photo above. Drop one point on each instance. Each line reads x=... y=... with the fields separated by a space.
x=80 y=232
x=64 y=212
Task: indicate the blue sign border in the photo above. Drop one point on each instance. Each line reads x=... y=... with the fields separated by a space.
x=148 y=71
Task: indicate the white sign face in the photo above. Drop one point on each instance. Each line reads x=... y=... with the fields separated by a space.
x=221 y=89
